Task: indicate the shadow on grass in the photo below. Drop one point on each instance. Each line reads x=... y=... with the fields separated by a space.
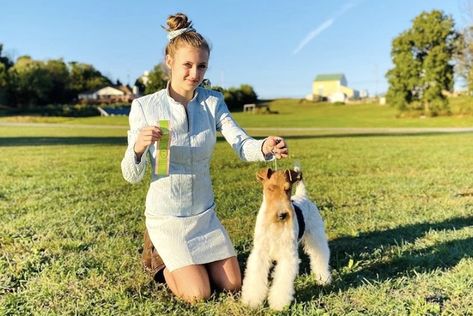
x=51 y=141
x=441 y=256
x=114 y=140
x=360 y=135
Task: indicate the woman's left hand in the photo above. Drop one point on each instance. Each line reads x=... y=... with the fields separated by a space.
x=276 y=146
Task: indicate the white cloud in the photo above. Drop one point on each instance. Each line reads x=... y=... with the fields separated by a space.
x=322 y=27
x=314 y=34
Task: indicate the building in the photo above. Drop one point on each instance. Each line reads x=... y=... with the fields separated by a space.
x=107 y=95
x=333 y=87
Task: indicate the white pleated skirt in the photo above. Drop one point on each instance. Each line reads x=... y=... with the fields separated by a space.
x=184 y=241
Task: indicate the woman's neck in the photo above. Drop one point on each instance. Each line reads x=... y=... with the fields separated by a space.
x=182 y=97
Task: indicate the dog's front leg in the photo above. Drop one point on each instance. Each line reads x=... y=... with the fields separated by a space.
x=282 y=289
x=255 y=283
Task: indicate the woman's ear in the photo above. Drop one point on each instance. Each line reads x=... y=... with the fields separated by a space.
x=168 y=61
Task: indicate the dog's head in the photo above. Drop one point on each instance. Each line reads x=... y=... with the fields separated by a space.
x=277 y=188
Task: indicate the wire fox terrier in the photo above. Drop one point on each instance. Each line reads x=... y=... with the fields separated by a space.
x=281 y=223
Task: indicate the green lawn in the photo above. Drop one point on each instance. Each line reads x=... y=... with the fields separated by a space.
x=293 y=113
x=398 y=212
x=296 y=113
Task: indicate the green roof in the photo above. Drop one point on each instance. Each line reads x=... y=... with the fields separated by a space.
x=329 y=77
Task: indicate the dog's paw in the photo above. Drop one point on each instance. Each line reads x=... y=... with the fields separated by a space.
x=279 y=305
x=324 y=278
x=279 y=298
x=251 y=301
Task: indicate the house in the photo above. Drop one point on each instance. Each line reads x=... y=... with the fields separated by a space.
x=333 y=87
x=107 y=95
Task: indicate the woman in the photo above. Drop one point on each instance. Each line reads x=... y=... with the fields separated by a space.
x=180 y=208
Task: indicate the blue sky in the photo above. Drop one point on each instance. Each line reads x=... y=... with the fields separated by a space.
x=276 y=46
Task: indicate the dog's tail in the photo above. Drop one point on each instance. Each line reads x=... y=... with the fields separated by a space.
x=300 y=186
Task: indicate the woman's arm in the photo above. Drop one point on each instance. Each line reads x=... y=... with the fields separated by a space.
x=247 y=148
x=134 y=161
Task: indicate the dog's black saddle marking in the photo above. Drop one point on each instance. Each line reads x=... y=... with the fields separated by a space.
x=300 y=221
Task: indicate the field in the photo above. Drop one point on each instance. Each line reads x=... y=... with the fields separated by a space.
x=398 y=210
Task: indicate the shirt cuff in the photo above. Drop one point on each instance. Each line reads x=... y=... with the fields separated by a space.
x=268 y=157
x=142 y=159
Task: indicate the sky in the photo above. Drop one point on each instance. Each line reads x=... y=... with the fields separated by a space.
x=276 y=46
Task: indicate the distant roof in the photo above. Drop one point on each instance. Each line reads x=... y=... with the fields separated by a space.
x=125 y=89
x=109 y=90
x=329 y=77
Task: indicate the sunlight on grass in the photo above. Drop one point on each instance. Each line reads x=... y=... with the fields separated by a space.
x=301 y=113
x=398 y=223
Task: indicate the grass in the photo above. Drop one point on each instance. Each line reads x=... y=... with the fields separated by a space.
x=308 y=114
x=294 y=112
x=398 y=211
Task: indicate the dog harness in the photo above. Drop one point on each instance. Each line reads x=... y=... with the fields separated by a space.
x=300 y=221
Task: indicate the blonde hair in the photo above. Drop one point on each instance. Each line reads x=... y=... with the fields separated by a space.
x=193 y=38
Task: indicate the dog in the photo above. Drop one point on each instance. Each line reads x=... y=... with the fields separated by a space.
x=282 y=222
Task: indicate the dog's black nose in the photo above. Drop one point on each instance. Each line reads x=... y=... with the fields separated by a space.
x=282 y=215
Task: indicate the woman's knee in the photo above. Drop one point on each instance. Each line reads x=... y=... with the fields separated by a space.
x=228 y=282
x=232 y=285
x=190 y=283
x=194 y=293
x=226 y=275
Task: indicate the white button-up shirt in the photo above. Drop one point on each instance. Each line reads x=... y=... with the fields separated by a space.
x=187 y=190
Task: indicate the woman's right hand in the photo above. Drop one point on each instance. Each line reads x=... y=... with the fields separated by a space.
x=147 y=136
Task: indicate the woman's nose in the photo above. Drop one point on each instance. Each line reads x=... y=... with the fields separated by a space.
x=194 y=72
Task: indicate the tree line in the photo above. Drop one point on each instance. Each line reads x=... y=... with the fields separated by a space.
x=28 y=83
x=426 y=59
x=234 y=97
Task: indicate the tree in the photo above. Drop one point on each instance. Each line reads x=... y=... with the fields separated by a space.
x=60 y=79
x=157 y=79
x=3 y=76
x=249 y=94
x=85 y=77
x=5 y=64
x=464 y=58
x=30 y=82
x=4 y=59
x=423 y=68
x=464 y=53
x=236 y=97
x=3 y=84
x=140 y=85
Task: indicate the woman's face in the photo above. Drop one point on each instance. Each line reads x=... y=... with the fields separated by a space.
x=188 y=67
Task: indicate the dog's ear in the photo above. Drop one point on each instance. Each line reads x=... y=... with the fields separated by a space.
x=264 y=174
x=293 y=176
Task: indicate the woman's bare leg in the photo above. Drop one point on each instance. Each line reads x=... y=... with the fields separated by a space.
x=225 y=274
x=190 y=283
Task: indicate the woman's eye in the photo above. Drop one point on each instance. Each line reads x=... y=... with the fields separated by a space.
x=187 y=65
x=203 y=66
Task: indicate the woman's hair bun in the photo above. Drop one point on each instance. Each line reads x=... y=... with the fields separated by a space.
x=178 y=21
